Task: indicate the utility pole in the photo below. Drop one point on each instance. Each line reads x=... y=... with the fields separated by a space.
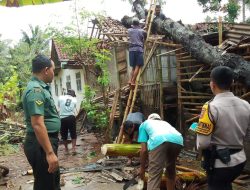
x=244 y=10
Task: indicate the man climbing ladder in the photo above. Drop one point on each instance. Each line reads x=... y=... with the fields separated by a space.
x=137 y=37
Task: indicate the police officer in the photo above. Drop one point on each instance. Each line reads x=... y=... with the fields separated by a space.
x=43 y=124
x=224 y=123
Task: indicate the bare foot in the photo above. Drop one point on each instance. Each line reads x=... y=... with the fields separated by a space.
x=132 y=86
x=66 y=152
x=129 y=162
x=74 y=152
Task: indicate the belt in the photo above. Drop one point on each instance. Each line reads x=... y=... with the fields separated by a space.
x=51 y=135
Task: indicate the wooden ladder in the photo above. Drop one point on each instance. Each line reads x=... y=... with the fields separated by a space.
x=133 y=91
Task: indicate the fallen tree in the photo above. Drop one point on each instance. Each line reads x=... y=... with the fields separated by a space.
x=197 y=47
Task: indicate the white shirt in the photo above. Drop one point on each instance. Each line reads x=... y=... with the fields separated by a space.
x=67 y=106
x=231 y=116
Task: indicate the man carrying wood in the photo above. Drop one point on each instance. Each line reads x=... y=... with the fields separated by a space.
x=223 y=125
x=162 y=144
x=136 y=40
x=43 y=125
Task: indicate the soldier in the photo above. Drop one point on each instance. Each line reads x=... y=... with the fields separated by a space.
x=43 y=125
x=224 y=123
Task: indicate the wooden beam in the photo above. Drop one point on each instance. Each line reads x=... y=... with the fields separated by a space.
x=196 y=79
x=192 y=78
x=112 y=115
x=169 y=52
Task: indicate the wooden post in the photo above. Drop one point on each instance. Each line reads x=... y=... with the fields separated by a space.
x=220 y=30
x=112 y=115
x=125 y=116
x=135 y=92
x=159 y=65
x=180 y=122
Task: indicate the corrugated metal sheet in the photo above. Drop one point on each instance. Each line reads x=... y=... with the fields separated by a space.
x=238 y=31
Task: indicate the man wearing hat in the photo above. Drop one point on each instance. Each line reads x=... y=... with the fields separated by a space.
x=162 y=143
x=67 y=111
x=136 y=40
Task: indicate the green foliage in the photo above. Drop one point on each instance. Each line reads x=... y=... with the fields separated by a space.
x=78 y=46
x=8 y=149
x=9 y=90
x=5 y=68
x=210 y=19
x=161 y=2
x=233 y=11
x=248 y=20
x=96 y=113
x=78 y=180
x=101 y=62
x=210 y=5
x=231 y=7
x=38 y=42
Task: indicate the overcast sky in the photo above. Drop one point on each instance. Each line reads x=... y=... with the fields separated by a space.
x=13 y=20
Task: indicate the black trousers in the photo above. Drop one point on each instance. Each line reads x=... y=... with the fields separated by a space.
x=68 y=124
x=37 y=159
x=222 y=178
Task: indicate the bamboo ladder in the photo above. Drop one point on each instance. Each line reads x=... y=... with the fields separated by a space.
x=133 y=92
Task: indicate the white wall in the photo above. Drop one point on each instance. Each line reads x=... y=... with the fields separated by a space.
x=62 y=75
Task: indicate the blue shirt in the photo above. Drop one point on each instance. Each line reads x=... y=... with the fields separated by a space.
x=156 y=132
x=136 y=39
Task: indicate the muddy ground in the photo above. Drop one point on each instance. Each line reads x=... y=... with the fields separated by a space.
x=88 y=152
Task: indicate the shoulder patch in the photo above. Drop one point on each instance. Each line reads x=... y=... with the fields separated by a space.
x=37 y=90
x=205 y=125
x=39 y=102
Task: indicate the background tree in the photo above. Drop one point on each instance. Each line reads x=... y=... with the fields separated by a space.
x=5 y=69
x=32 y=43
x=37 y=41
x=93 y=58
x=232 y=8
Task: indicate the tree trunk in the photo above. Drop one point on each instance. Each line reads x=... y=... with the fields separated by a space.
x=131 y=150
x=201 y=50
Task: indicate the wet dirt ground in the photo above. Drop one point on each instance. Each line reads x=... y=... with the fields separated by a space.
x=88 y=151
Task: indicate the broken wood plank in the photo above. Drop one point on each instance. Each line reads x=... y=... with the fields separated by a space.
x=171 y=51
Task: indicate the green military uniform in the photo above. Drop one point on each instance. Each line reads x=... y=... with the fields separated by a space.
x=37 y=100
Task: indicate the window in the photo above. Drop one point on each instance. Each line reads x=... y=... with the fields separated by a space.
x=68 y=82
x=78 y=81
x=56 y=88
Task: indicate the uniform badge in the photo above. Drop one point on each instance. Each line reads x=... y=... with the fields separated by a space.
x=205 y=125
x=39 y=102
x=37 y=90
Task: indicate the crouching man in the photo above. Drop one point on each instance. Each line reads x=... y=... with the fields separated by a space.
x=162 y=144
